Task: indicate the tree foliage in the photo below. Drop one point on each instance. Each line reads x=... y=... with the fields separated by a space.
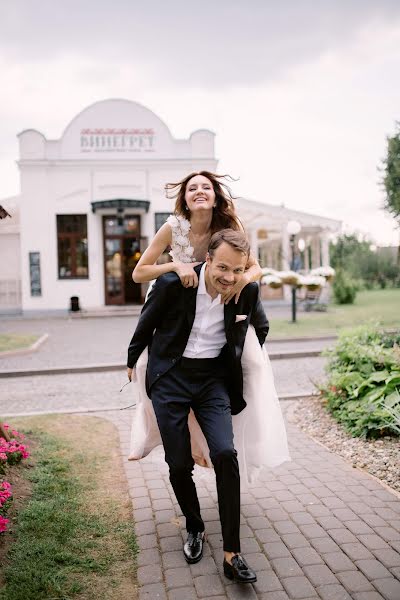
x=373 y=268
x=391 y=178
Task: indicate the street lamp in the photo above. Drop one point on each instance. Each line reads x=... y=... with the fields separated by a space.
x=293 y=228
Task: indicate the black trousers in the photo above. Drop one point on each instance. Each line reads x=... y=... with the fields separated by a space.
x=199 y=384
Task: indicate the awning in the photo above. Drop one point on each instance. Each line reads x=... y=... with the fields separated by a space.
x=120 y=204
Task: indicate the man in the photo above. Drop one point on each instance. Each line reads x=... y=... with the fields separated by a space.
x=195 y=347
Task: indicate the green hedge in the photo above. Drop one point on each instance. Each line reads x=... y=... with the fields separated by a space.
x=344 y=288
x=362 y=390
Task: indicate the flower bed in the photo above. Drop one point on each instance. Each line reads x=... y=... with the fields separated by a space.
x=12 y=452
x=363 y=385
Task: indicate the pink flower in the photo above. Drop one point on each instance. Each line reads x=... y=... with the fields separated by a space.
x=3 y=524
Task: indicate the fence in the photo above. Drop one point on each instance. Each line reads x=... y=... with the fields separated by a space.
x=10 y=293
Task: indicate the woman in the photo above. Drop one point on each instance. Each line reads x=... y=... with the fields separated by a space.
x=204 y=205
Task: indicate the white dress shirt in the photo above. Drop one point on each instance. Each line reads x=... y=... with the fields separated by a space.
x=208 y=332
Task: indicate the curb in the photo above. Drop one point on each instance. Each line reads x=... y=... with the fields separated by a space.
x=121 y=367
x=63 y=370
x=294 y=354
x=79 y=411
x=289 y=340
x=32 y=348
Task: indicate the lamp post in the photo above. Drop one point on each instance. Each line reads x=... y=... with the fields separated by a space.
x=293 y=228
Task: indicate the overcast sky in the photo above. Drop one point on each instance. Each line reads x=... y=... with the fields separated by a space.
x=301 y=94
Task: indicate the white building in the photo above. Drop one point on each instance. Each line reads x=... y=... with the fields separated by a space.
x=91 y=200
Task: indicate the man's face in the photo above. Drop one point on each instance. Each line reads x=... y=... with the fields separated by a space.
x=224 y=269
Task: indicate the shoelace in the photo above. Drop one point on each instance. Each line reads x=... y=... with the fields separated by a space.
x=239 y=562
x=193 y=540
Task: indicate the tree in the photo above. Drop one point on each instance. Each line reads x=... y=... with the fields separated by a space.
x=391 y=178
x=356 y=257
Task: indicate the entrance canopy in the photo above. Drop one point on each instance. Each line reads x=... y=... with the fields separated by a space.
x=119 y=204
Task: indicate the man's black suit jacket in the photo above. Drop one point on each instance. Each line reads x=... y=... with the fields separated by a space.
x=166 y=321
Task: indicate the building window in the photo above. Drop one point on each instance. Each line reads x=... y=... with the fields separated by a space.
x=159 y=219
x=72 y=247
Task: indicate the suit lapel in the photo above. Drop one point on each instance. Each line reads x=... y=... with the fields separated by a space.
x=190 y=301
x=229 y=318
x=190 y=305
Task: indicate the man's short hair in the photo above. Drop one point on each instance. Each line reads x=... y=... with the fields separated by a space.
x=236 y=240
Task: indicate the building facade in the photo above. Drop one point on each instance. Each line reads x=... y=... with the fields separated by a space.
x=91 y=200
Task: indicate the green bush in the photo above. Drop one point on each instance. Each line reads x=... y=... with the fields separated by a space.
x=362 y=390
x=344 y=288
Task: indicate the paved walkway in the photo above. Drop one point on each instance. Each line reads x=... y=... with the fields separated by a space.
x=315 y=528
x=99 y=391
x=78 y=342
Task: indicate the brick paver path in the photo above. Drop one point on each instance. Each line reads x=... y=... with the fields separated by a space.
x=314 y=528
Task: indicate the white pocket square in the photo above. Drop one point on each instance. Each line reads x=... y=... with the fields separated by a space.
x=240 y=318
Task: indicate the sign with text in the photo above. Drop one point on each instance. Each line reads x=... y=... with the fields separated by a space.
x=34 y=272
x=117 y=140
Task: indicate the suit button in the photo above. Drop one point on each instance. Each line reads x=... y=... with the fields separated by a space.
x=158 y=375
x=174 y=360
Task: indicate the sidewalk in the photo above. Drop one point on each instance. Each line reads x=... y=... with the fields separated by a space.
x=315 y=529
x=102 y=343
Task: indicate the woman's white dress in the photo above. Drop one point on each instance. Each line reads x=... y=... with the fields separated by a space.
x=259 y=430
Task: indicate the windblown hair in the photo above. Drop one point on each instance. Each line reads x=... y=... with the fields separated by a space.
x=236 y=240
x=224 y=214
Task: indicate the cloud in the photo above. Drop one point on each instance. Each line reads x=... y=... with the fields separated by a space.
x=187 y=43
x=300 y=94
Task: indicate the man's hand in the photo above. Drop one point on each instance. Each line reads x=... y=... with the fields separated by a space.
x=131 y=374
x=236 y=290
x=187 y=274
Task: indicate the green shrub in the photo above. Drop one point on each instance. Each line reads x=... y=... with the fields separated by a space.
x=362 y=390
x=344 y=288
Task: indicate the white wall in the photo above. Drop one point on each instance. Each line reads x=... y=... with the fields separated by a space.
x=64 y=176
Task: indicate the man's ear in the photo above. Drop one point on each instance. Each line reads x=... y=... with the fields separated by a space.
x=208 y=258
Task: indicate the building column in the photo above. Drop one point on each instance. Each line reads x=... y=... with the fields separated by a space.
x=315 y=247
x=252 y=235
x=325 y=249
x=285 y=249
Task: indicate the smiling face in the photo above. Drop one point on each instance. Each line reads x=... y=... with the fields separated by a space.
x=224 y=269
x=199 y=194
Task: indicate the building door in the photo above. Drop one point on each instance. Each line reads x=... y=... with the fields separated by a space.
x=121 y=253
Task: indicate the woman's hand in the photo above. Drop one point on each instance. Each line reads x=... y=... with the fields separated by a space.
x=236 y=290
x=131 y=374
x=187 y=274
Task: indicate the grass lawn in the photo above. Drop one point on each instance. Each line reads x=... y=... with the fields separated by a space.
x=72 y=536
x=381 y=306
x=13 y=341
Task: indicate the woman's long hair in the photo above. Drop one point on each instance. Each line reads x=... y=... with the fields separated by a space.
x=224 y=213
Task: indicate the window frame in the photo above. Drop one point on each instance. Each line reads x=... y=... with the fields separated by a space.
x=74 y=237
x=158 y=214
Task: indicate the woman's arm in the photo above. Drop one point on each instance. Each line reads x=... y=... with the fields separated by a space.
x=252 y=273
x=147 y=269
x=253 y=269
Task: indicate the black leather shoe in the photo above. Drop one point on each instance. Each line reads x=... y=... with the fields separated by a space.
x=193 y=549
x=239 y=570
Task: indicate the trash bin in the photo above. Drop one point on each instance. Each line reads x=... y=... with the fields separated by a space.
x=74 y=307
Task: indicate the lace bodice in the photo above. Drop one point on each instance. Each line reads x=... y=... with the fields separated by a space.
x=181 y=248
